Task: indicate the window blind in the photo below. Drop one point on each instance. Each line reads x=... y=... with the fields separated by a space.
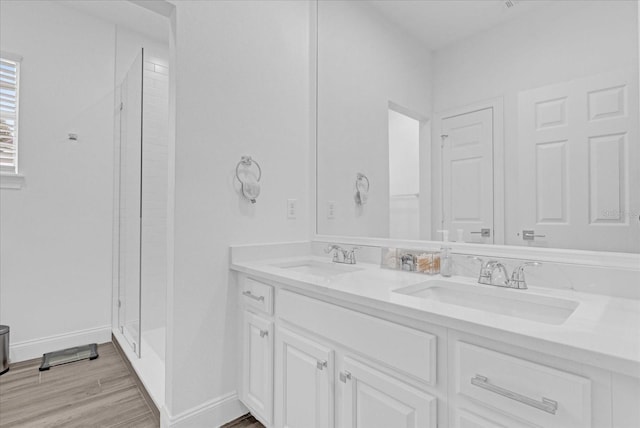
x=9 y=74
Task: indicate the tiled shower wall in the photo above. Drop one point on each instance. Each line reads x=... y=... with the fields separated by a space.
x=154 y=192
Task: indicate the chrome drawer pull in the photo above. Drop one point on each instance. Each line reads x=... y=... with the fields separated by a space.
x=344 y=376
x=321 y=364
x=264 y=333
x=253 y=296
x=549 y=406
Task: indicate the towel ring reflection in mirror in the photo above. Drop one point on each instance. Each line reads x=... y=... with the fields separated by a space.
x=249 y=182
x=362 y=188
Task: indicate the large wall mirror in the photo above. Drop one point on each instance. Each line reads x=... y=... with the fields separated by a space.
x=494 y=122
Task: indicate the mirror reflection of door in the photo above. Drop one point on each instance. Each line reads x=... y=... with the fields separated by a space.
x=578 y=155
x=404 y=176
x=467 y=175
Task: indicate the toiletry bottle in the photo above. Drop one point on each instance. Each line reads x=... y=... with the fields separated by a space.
x=445 y=235
x=446 y=262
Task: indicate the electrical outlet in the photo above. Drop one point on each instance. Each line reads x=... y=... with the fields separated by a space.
x=331 y=209
x=292 y=208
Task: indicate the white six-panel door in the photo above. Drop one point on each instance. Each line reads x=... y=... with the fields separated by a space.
x=304 y=393
x=579 y=158
x=467 y=174
x=372 y=399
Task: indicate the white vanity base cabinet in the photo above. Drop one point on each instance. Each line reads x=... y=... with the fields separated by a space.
x=319 y=362
x=626 y=401
x=304 y=387
x=373 y=399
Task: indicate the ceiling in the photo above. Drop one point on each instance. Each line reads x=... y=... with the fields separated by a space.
x=126 y=14
x=437 y=23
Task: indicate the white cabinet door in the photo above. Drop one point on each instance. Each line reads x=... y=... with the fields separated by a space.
x=304 y=391
x=257 y=373
x=467 y=174
x=464 y=419
x=372 y=399
x=578 y=162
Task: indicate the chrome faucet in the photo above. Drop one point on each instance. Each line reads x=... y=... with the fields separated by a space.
x=488 y=275
x=517 y=277
x=340 y=255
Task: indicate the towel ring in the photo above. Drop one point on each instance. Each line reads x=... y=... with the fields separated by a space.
x=247 y=162
x=362 y=179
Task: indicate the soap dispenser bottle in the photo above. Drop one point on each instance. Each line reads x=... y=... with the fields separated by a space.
x=446 y=262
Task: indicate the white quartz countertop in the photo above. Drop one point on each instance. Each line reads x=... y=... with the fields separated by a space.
x=602 y=331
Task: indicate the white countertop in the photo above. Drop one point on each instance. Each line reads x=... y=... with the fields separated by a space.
x=602 y=331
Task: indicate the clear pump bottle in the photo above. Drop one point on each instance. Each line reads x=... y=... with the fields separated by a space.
x=446 y=262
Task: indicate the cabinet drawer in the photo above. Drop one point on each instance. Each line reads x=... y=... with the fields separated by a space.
x=532 y=392
x=257 y=295
x=410 y=351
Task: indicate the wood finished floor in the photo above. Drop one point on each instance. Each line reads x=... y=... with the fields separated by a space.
x=98 y=393
x=246 y=421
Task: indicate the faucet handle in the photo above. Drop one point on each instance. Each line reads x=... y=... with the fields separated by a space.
x=484 y=264
x=336 y=250
x=350 y=255
x=331 y=247
x=486 y=268
x=517 y=277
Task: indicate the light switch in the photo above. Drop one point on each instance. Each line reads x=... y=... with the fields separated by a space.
x=292 y=208
x=331 y=209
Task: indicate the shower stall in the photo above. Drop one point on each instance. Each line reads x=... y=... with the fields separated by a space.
x=141 y=221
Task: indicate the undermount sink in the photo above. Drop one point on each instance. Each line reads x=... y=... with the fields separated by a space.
x=510 y=302
x=316 y=268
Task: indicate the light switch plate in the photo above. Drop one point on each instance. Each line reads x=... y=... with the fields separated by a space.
x=331 y=209
x=292 y=208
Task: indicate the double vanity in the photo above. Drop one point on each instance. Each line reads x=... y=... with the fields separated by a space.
x=326 y=344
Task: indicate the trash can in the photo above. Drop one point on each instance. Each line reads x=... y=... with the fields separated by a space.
x=4 y=349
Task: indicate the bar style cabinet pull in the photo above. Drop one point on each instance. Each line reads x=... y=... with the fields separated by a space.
x=264 y=333
x=253 y=296
x=321 y=364
x=547 y=405
x=344 y=376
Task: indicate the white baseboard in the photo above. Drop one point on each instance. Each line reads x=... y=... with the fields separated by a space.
x=30 y=349
x=213 y=413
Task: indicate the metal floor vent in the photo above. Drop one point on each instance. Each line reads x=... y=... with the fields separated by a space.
x=70 y=355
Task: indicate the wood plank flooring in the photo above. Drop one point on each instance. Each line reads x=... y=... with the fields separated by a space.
x=246 y=421
x=98 y=393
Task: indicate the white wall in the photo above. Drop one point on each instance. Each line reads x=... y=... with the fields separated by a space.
x=55 y=262
x=364 y=63
x=242 y=80
x=56 y=232
x=563 y=41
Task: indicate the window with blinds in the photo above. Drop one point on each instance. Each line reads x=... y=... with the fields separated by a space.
x=9 y=78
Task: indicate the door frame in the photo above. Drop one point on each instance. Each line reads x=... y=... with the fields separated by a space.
x=425 y=133
x=497 y=105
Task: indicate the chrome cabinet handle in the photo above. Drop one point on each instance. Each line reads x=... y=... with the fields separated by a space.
x=253 y=296
x=547 y=405
x=321 y=364
x=264 y=333
x=344 y=376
